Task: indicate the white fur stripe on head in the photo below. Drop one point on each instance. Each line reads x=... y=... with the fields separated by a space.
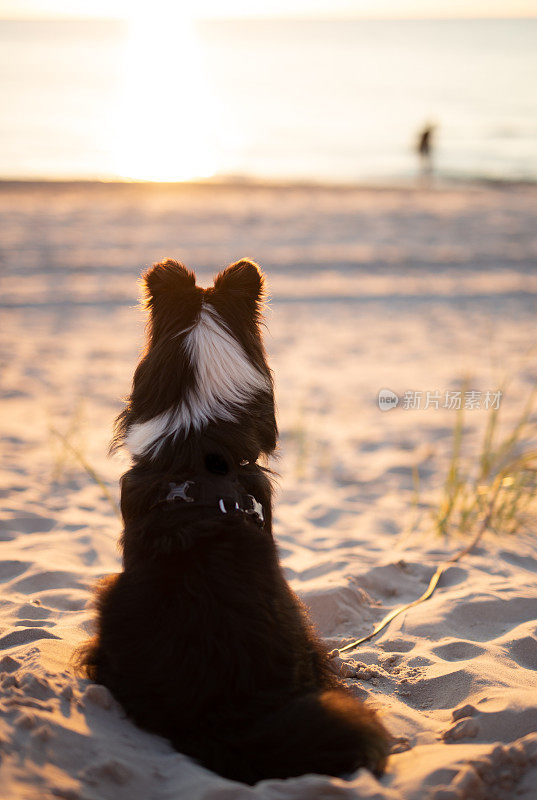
x=225 y=380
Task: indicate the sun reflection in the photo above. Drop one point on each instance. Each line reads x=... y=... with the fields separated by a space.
x=167 y=117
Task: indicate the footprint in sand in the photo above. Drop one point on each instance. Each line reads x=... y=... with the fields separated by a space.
x=337 y=609
x=324 y=517
x=481 y=620
x=442 y=691
x=524 y=652
x=526 y=562
x=454 y=575
x=89 y=556
x=33 y=623
x=397 y=646
x=8 y=664
x=25 y=637
x=27 y=524
x=458 y=651
x=41 y=581
x=33 y=611
x=322 y=569
x=12 y=569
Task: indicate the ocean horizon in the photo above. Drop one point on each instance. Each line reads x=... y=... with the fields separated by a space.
x=329 y=101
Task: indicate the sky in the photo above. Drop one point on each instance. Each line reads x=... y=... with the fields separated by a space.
x=41 y=9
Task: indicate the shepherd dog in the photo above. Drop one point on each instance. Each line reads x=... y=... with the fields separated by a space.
x=199 y=637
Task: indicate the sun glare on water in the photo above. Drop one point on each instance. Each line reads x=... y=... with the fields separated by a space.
x=166 y=114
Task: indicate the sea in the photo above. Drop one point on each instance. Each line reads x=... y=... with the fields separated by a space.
x=293 y=100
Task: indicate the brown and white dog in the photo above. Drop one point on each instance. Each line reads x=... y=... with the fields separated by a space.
x=200 y=637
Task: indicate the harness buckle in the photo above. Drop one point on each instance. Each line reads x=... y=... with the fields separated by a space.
x=256 y=508
x=178 y=491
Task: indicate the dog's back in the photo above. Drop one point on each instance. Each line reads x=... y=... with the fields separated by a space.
x=200 y=638
x=212 y=650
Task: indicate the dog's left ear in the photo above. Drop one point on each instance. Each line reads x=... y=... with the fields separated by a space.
x=242 y=281
x=168 y=278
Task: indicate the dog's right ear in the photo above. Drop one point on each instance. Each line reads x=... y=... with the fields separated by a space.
x=167 y=278
x=243 y=280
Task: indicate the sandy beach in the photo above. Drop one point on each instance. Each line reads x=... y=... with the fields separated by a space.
x=410 y=290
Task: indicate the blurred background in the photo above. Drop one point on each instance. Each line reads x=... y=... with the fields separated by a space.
x=323 y=90
x=376 y=157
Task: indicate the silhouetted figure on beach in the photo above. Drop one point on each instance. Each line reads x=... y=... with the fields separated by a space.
x=424 y=149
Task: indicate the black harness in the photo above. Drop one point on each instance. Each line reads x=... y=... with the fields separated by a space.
x=222 y=495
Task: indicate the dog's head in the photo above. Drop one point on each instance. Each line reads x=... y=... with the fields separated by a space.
x=204 y=371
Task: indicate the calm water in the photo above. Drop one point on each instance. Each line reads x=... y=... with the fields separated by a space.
x=321 y=100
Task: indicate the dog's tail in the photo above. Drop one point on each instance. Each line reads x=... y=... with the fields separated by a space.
x=329 y=733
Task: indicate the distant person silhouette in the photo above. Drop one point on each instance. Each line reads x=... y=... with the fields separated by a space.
x=424 y=148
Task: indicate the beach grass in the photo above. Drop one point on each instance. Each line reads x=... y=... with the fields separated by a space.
x=72 y=433
x=68 y=448
x=501 y=482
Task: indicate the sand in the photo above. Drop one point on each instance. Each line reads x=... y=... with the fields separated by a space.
x=396 y=288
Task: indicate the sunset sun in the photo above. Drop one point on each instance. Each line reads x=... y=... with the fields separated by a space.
x=165 y=130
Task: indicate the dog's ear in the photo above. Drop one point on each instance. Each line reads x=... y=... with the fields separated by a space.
x=243 y=281
x=170 y=278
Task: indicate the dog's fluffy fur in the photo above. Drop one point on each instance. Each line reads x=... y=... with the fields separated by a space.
x=200 y=638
